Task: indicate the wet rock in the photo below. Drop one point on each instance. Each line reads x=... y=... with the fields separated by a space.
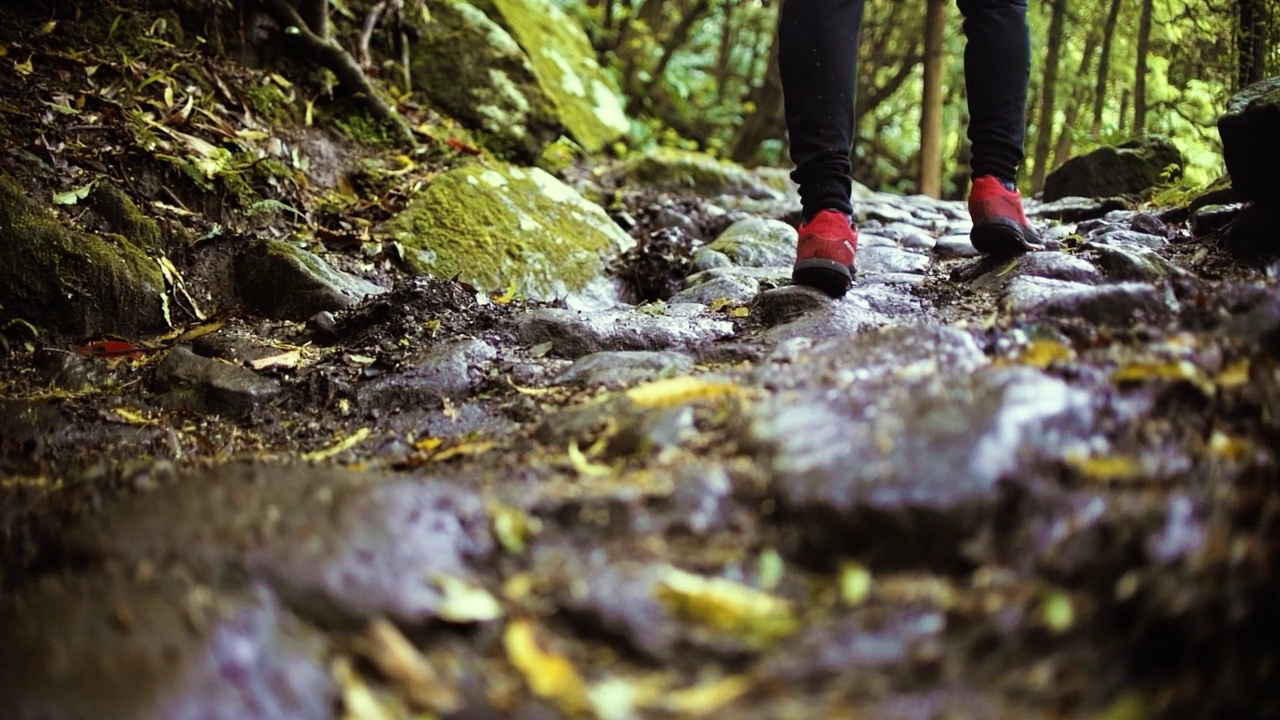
x=1150 y=224
x=1052 y=265
x=1117 y=305
x=124 y=218
x=1211 y=219
x=671 y=218
x=80 y=284
x=1249 y=143
x=909 y=236
x=899 y=351
x=573 y=334
x=451 y=370
x=1120 y=236
x=1074 y=209
x=620 y=369
x=323 y=327
x=834 y=648
x=232 y=346
x=909 y=470
x=717 y=286
x=1133 y=263
x=864 y=306
x=708 y=259
x=758 y=242
x=284 y=281
x=890 y=260
x=103 y=646
x=702 y=499
x=333 y=545
x=881 y=211
x=955 y=246
x=621 y=598
x=784 y=304
x=499 y=225
x=70 y=372
x=1129 y=169
x=212 y=387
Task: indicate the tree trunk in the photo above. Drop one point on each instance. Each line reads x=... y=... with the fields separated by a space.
x=1048 y=95
x=315 y=13
x=1140 y=73
x=1104 y=65
x=1251 y=36
x=931 y=103
x=1063 y=149
x=767 y=119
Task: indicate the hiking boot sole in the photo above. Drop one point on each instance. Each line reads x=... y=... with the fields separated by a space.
x=1002 y=236
x=828 y=276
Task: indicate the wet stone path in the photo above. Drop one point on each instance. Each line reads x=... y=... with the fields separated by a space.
x=972 y=488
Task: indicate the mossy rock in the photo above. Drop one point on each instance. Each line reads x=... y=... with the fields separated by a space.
x=673 y=169
x=499 y=226
x=470 y=68
x=1250 y=132
x=69 y=281
x=757 y=242
x=586 y=100
x=1134 y=168
x=284 y=281
x=124 y=218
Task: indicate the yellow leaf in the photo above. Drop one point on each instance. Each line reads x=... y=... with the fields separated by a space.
x=475 y=448
x=707 y=698
x=201 y=330
x=46 y=28
x=585 y=467
x=534 y=392
x=739 y=312
x=1131 y=706
x=466 y=603
x=677 y=391
x=550 y=676
x=4 y=50
x=727 y=606
x=25 y=67
x=1106 y=468
x=428 y=444
x=1229 y=448
x=855 y=583
x=343 y=445
x=1057 y=612
x=1043 y=353
x=358 y=701
x=401 y=663
x=132 y=417
x=1234 y=375
x=512 y=527
x=1172 y=371
x=771 y=569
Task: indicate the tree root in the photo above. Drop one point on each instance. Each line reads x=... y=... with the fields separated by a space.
x=326 y=51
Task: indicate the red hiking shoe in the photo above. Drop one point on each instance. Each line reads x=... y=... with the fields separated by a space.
x=824 y=253
x=999 y=225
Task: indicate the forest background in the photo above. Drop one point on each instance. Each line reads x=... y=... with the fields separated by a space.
x=702 y=74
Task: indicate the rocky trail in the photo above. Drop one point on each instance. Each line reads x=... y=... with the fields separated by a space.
x=972 y=488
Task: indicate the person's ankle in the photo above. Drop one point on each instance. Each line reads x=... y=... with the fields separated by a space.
x=1007 y=184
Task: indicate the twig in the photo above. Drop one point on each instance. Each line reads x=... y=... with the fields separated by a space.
x=371 y=21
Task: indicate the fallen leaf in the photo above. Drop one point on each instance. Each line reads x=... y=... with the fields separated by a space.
x=513 y=527
x=771 y=569
x=46 y=28
x=287 y=360
x=1234 y=375
x=730 y=607
x=585 y=467
x=111 y=349
x=1057 y=612
x=71 y=197
x=1043 y=353
x=855 y=583
x=428 y=444
x=533 y=392
x=707 y=698
x=1230 y=448
x=549 y=675
x=677 y=391
x=343 y=445
x=358 y=701
x=131 y=417
x=465 y=449
x=464 y=602
x=1106 y=468
x=399 y=661
x=1173 y=371
x=24 y=67
x=201 y=330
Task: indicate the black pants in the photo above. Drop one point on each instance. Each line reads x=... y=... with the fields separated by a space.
x=818 y=55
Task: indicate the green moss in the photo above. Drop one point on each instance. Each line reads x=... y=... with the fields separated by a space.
x=269 y=102
x=674 y=169
x=124 y=217
x=497 y=226
x=357 y=125
x=78 y=283
x=586 y=101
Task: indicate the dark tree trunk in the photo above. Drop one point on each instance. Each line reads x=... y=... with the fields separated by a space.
x=1063 y=149
x=1140 y=72
x=767 y=120
x=1104 y=65
x=1048 y=95
x=1251 y=41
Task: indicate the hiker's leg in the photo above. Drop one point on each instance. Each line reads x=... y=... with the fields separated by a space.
x=997 y=66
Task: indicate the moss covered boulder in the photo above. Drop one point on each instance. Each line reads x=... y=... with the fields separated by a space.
x=1250 y=131
x=472 y=69
x=284 y=281
x=1133 y=168
x=499 y=226
x=673 y=169
x=587 y=102
x=69 y=281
